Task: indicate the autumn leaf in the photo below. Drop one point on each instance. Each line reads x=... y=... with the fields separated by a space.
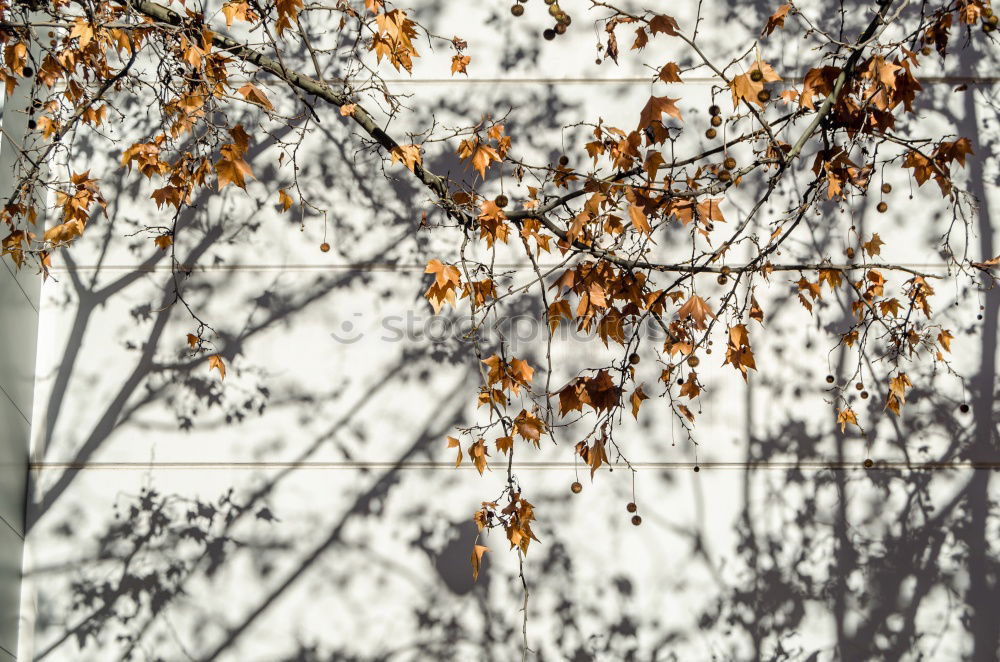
x=529 y=426
x=945 y=338
x=454 y=443
x=285 y=200
x=637 y=397
x=478 y=453
x=235 y=11
x=874 y=245
x=231 y=168
x=215 y=363
x=477 y=559
x=408 y=155
x=83 y=31
x=639 y=220
x=670 y=73
x=459 y=63
x=897 y=392
x=776 y=20
x=654 y=109
x=193 y=340
x=504 y=444
x=845 y=416
x=745 y=88
x=348 y=109
x=832 y=277
x=254 y=95
x=479 y=154
x=163 y=242
x=697 y=310
x=690 y=387
x=663 y=24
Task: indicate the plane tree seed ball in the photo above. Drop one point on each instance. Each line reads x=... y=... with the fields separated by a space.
x=729 y=163
x=325 y=247
x=517 y=10
x=576 y=487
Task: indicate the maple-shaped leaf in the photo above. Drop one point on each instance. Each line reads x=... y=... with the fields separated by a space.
x=443 y=273
x=897 y=392
x=459 y=63
x=710 y=212
x=479 y=154
x=663 y=24
x=776 y=20
x=845 y=416
x=890 y=307
x=215 y=363
x=231 y=168
x=504 y=444
x=192 y=340
x=654 y=109
x=874 y=245
x=348 y=109
x=83 y=31
x=690 y=387
x=477 y=559
x=285 y=200
x=832 y=277
x=818 y=81
x=236 y=11
x=478 y=453
x=408 y=155
x=521 y=371
x=638 y=395
x=529 y=426
x=163 y=242
x=745 y=88
x=697 y=310
x=64 y=232
x=670 y=73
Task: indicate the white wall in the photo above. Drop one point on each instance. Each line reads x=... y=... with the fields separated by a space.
x=343 y=443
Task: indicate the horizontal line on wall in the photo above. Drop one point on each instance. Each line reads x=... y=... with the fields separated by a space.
x=362 y=266
x=587 y=80
x=518 y=466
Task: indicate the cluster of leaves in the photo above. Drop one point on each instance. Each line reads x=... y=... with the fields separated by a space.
x=609 y=222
